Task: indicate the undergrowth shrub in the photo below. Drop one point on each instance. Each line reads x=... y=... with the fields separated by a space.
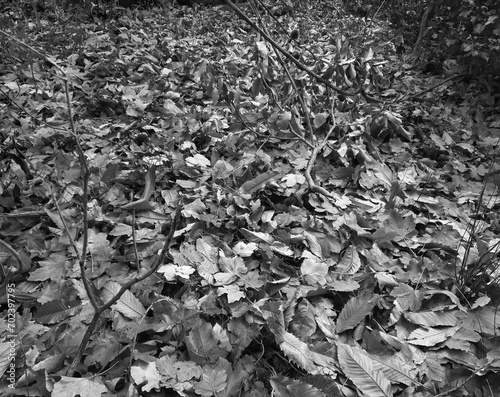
x=478 y=270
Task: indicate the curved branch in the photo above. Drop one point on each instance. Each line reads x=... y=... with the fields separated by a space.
x=7 y=247
x=123 y=289
x=300 y=65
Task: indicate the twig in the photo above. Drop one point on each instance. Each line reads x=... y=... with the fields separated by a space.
x=83 y=162
x=89 y=288
x=7 y=247
x=460 y=386
x=310 y=164
x=300 y=65
x=437 y=85
x=125 y=287
x=134 y=240
x=301 y=100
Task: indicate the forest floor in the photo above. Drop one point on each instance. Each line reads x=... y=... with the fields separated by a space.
x=189 y=210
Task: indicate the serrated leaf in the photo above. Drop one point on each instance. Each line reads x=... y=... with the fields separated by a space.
x=244 y=250
x=395 y=367
x=128 y=304
x=146 y=374
x=5 y=360
x=198 y=160
x=433 y=318
x=354 y=312
x=284 y=386
x=350 y=262
x=298 y=352
x=202 y=343
x=431 y=336
x=323 y=383
x=360 y=370
x=56 y=311
x=82 y=387
x=213 y=381
x=233 y=292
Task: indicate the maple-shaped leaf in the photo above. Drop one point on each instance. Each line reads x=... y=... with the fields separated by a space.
x=213 y=381
x=171 y=272
x=53 y=268
x=83 y=387
x=235 y=266
x=245 y=250
x=128 y=304
x=198 y=160
x=224 y=278
x=382 y=172
x=233 y=292
x=105 y=349
x=202 y=344
x=146 y=374
x=360 y=370
x=396 y=228
x=187 y=370
x=173 y=371
x=291 y=180
x=433 y=368
x=253 y=279
x=99 y=246
x=222 y=170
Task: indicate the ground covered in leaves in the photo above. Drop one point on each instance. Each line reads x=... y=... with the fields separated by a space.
x=334 y=237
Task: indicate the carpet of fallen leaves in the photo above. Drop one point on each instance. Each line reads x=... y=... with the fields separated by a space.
x=330 y=242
